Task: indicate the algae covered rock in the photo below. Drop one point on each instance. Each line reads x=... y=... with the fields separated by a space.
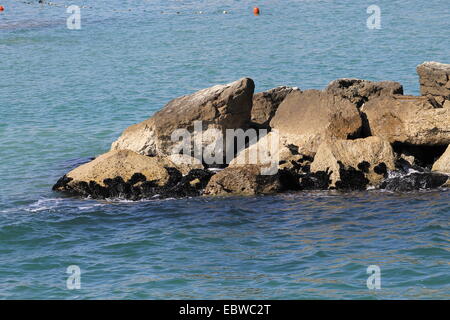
x=355 y=164
x=128 y=175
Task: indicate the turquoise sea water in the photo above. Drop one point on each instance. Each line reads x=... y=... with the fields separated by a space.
x=67 y=94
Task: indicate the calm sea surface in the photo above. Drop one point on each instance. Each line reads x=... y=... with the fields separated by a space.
x=65 y=95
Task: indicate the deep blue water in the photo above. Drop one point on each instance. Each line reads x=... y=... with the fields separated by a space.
x=67 y=94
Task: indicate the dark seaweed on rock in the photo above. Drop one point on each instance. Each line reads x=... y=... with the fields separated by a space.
x=351 y=178
x=137 y=187
x=415 y=181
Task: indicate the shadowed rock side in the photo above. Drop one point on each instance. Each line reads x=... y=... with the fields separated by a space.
x=266 y=103
x=354 y=135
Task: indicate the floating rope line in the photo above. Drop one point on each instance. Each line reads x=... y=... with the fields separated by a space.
x=54 y=4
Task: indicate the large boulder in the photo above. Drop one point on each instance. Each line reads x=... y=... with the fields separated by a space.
x=434 y=80
x=306 y=119
x=443 y=163
x=129 y=175
x=360 y=91
x=218 y=108
x=354 y=164
x=266 y=103
x=408 y=119
x=242 y=180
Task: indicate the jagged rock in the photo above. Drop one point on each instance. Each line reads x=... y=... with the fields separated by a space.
x=435 y=80
x=414 y=181
x=266 y=103
x=242 y=180
x=128 y=175
x=360 y=91
x=354 y=164
x=443 y=163
x=220 y=107
x=306 y=119
x=408 y=119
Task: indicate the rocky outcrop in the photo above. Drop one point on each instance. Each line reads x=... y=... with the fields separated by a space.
x=408 y=119
x=434 y=80
x=128 y=175
x=306 y=119
x=355 y=164
x=360 y=91
x=443 y=163
x=242 y=180
x=220 y=107
x=266 y=103
x=353 y=135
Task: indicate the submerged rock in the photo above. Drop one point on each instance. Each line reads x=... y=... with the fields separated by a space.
x=434 y=80
x=127 y=175
x=220 y=107
x=415 y=181
x=355 y=164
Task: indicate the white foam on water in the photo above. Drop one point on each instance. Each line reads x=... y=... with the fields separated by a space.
x=44 y=204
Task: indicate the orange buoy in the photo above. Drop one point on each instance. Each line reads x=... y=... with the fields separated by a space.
x=2 y=8
x=256 y=11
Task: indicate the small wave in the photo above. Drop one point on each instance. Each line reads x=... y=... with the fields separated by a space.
x=50 y=204
x=44 y=204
